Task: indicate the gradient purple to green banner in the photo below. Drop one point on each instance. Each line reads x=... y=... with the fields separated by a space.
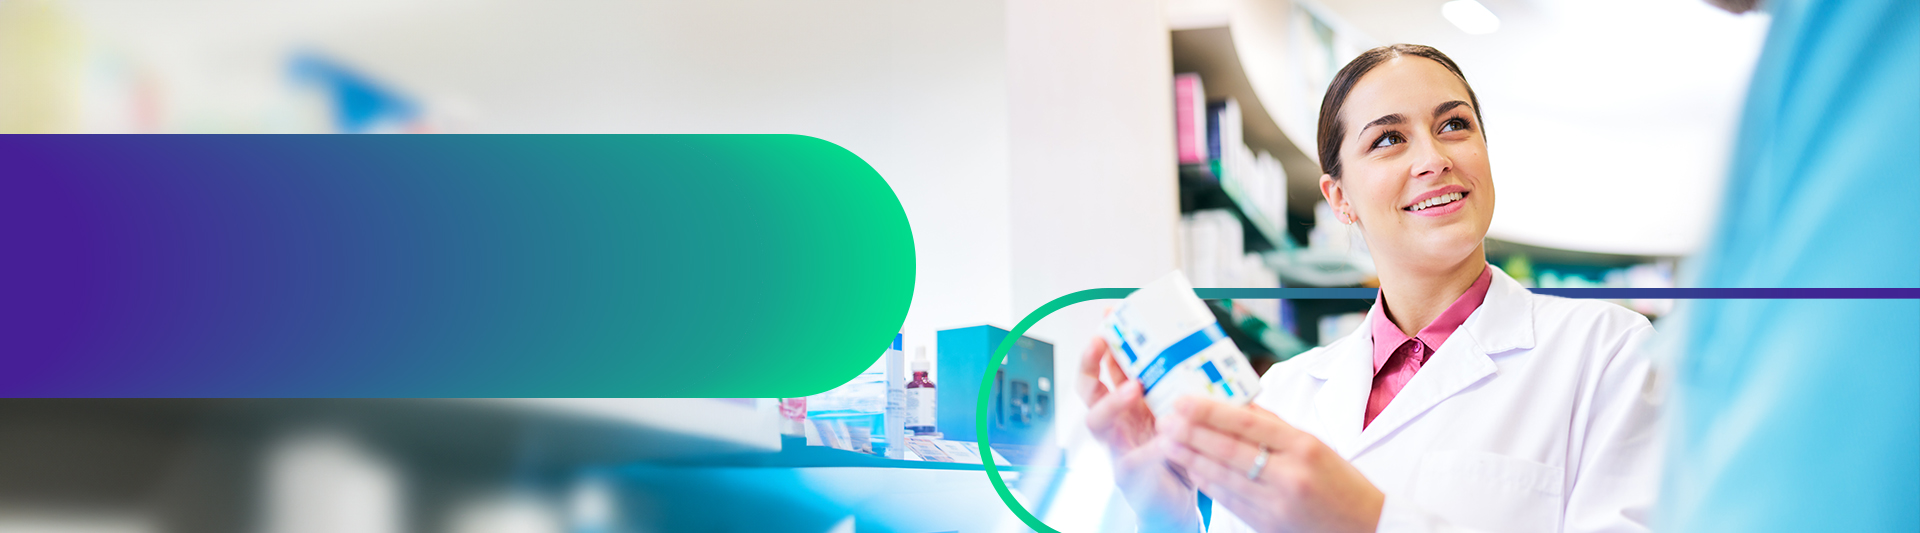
x=444 y=266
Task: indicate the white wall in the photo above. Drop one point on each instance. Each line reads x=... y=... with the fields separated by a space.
x=917 y=89
x=1094 y=197
x=1095 y=202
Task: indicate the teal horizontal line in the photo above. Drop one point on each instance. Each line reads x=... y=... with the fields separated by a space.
x=1288 y=293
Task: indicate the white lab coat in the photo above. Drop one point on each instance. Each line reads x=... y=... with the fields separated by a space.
x=1534 y=416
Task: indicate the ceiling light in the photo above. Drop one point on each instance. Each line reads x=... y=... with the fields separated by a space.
x=1470 y=17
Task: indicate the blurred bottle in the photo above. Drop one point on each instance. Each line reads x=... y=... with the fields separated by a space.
x=921 y=396
x=793 y=417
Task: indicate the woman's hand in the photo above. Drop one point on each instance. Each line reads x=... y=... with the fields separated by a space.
x=1118 y=417
x=1303 y=485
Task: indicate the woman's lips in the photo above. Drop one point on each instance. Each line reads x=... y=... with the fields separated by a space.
x=1441 y=209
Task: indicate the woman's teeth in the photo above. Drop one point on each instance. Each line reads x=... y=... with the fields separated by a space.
x=1437 y=200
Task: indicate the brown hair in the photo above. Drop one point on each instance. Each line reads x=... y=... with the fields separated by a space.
x=1330 y=128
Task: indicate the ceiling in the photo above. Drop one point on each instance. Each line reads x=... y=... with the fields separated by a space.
x=1608 y=122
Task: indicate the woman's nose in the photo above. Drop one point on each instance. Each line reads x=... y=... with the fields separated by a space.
x=1429 y=162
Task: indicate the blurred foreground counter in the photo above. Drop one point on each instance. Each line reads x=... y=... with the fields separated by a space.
x=461 y=466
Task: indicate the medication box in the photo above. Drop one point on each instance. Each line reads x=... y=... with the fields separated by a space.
x=1164 y=336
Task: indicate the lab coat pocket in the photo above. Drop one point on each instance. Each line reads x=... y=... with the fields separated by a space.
x=1489 y=491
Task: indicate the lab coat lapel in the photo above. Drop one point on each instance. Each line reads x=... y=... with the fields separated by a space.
x=1341 y=403
x=1453 y=368
x=1503 y=322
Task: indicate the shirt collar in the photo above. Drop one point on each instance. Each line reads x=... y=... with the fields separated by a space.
x=1387 y=337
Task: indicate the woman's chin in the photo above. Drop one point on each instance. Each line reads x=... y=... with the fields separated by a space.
x=1445 y=248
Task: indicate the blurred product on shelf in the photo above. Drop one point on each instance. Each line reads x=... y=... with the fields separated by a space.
x=1021 y=408
x=896 y=418
x=921 y=397
x=1267 y=332
x=1652 y=276
x=1255 y=179
x=1216 y=255
x=1521 y=268
x=1166 y=337
x=853 y=412
x=793 y=417
x=1333 y=327
x=1547 y=268
x=1190 y=119
x=1223 y=128
x=949 y=451
x=1658 y=275
x=1335 y=255
x=854 y=434
x=360 y=104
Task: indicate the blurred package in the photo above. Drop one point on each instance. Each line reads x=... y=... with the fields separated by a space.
x=866 y=409
x=1021 y=409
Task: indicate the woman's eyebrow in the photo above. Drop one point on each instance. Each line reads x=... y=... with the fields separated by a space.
x=1388 y=120
x=1443 y=108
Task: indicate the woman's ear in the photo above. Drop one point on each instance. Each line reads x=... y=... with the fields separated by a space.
x=1336 y=197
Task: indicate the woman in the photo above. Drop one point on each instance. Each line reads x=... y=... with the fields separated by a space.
x=1462 y=402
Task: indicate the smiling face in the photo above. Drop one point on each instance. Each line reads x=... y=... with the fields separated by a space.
x=1413 y=166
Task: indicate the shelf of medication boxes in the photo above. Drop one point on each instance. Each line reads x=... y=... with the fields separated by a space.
x=1201 y=190
x=1332 y=258
x=1263 y=342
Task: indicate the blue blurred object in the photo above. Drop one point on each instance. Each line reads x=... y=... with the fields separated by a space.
x=359 y=104
x=1804 y=415
x=1023 y=397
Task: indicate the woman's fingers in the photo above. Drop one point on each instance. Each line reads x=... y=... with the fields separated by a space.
x=1091 y=388
x=1210 y=475
x=1113 y=367
x=1104 y=413
x=1220 y=447
x=1248 y=423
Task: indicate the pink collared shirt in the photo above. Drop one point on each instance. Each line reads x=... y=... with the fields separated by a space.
x=1396 y=357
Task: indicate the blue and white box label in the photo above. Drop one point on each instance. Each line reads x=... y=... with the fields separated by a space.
x=1164 y=336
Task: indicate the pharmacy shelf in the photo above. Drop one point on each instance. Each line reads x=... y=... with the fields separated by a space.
x=1304 y=267
x=1199 y=190
x=803 y=456
x=1213 y=53
x=1499 y=250
x=1264 y=343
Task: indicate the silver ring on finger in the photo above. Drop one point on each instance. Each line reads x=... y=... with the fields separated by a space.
x=1259 y=464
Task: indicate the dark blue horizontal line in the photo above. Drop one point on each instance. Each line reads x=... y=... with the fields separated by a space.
x=1845 y=293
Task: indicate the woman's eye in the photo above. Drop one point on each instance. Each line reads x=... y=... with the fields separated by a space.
x=1453 y=125
x=1390 y=139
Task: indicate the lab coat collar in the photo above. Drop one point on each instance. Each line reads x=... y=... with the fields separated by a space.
x=1503 y=322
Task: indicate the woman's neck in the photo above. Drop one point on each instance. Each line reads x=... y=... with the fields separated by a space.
x=1416 y=296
